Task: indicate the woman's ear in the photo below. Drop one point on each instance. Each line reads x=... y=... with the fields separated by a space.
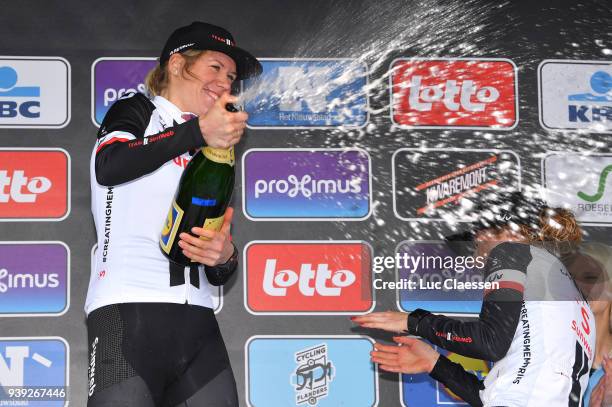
x=175 y=64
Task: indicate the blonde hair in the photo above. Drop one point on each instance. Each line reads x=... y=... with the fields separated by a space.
x=558 y=231
x=157 y=79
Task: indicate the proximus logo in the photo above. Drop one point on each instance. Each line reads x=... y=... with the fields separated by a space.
x=27 y=280
x=600 y=189
x=307 y=186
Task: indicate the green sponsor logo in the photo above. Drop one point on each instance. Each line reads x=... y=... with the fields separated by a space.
x=600 y=189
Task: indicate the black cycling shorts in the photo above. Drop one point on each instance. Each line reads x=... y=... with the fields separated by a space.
x=157 y=354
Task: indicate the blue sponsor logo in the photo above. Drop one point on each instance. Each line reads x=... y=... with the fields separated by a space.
x=24 y=99
x=311 y=371
x=33 y=363
x=307 y=93
x=595 y=106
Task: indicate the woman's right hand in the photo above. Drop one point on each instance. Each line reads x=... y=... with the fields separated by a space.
x=391 y=321
x=220 y=128
x=410 y=356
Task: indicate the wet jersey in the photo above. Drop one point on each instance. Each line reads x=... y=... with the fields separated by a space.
x=536 y=327
x=143 y=146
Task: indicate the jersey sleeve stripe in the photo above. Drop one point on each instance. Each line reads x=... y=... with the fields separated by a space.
x=114 y=137
x=506 y=284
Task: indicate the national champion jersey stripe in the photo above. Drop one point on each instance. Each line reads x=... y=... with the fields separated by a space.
x=111 y=141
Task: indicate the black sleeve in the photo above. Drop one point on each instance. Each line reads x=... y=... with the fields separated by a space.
x=119 y=159
x=489 y=337
x=463 y=384
x=221 y=273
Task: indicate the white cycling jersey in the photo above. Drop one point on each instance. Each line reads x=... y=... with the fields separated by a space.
x=141 y=152
x=536 y=328
x=540 y=368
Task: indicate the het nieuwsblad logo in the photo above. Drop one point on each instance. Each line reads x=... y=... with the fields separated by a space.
x=307 y=93
x=34 y=92
x=463 y=93
x=308 y=277
x=324 y=371
x=36 y=362
x=34 y=184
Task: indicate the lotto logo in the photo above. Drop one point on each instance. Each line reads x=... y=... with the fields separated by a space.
x=34 y=184
x=308 y=277
x=454 y=93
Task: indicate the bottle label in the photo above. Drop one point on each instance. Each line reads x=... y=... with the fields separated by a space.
x=168 y=234
x=220 y=155
x=212 y=224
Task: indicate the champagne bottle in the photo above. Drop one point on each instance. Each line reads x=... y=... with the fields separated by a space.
x=201 y=198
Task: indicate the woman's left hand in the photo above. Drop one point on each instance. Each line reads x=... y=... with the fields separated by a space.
x=211 y=247
x=392 y=321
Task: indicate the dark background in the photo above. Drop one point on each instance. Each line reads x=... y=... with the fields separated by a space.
x=526 y=32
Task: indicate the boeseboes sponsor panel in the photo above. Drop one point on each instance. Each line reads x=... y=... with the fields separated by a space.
x=580 y=182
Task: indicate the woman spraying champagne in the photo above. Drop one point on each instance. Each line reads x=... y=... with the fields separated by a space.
x=150 y=320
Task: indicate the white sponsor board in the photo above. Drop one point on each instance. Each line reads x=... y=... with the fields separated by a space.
x=581 y=183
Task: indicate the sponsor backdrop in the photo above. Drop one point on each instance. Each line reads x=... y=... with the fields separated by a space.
x=370 y=125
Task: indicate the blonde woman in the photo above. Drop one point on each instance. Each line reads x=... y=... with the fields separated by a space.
x=153 y=337
x=536 y=327
x=591 y=267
